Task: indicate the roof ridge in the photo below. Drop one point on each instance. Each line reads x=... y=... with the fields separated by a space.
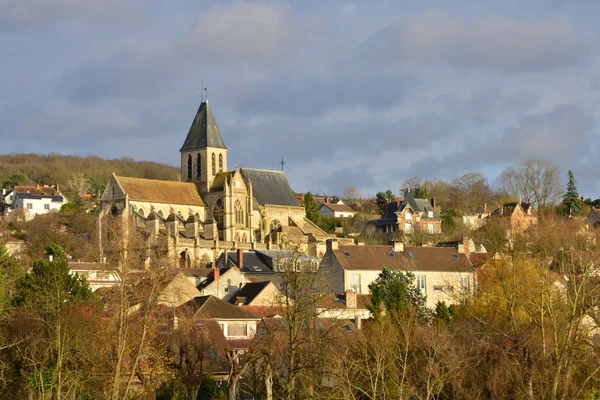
x=153 y=180
x=264 y=170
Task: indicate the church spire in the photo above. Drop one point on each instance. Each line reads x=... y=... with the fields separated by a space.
x=204 y=131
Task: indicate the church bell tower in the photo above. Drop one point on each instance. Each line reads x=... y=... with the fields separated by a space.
x=203 y=154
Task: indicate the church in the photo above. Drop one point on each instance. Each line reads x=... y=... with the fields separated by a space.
x=211 y=209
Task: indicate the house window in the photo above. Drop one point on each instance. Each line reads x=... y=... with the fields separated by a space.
x=189 y=167
x=29 y=206
x=239 y=213
x=220 y=162
x=408 y=216
x=237 y=330
x=464 y=283
x=356 y=283
x=430 y=228
x=198 y=166
x=422 y=283
x=46 y=206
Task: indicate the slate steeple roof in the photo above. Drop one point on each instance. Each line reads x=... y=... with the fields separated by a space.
x=204 y=131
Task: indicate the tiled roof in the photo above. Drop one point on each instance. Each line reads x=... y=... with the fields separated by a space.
x=270 y=187
x=39 y=190
x=265 y=311
x=211 y=307
x=252 y=263
x=375 y=258
x=204 y=131
x=157 y=191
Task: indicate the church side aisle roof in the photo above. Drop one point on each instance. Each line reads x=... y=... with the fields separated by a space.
x=270 y=187
x=204 y=131
x=157 y=191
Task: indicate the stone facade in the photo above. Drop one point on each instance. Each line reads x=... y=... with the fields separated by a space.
x=212 y=209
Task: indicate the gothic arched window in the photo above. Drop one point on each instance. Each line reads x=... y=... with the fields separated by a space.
x=275 y=226
x=189 y=165
x=219 y=213
x=214 y=164
x=198 y=166
x=220 y=162
x=239 y=212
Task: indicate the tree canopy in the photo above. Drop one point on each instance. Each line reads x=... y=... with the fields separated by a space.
x=396 y=292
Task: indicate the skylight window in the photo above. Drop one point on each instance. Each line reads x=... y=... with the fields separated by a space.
x=391 y=254
x=257 y=268
x=412 y=255
x=346 y=254
x=455 y=256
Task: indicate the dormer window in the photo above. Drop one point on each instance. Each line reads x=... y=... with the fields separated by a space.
x=408 y=216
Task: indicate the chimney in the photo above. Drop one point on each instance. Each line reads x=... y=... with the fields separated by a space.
x=351 y=299
x=398 y=202
x=386 y=207
x=216 y=272
x=240 y=257
x=331 y=244
x=360 y=243
x=466 y=246
x=397 y=245
x=433 y=203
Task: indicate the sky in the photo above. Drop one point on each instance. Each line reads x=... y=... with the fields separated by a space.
x=363 y=94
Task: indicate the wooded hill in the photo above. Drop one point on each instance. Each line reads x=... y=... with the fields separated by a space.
x=71 y=171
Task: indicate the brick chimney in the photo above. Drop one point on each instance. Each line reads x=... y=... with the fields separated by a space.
x=433 y=203
x=240 y=257
x=216 y=272
x=351 y=299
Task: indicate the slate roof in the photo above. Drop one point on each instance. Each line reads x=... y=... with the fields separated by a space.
x=338 y=207
x=31 y=196
x=252 y=262
x=249 y=292
x=375 y=258
x=270 y=187
x=419 y=205
x=338 y=301
x=157 y=191
x=204 y=131
x=211 y=307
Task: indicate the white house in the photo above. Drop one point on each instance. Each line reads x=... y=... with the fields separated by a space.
x=338 y=209
x=442 y=273
x=36 y=200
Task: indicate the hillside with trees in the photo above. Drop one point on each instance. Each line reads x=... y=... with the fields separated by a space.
x=78 y=174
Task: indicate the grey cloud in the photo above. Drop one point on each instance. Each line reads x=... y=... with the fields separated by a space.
x=291 y=95
x=19 y=14
x=494 y=42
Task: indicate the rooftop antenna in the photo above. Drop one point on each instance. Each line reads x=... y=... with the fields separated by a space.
x=282 y=164
x=201 y=91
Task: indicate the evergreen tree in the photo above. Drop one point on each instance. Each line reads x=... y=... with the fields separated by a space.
x=382 y=197
x=396 y=292
x=571 y=201
x=311 y=208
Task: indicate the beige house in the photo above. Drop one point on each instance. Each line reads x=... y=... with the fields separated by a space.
x=520 y=216
x=442 y=273
x=97 y=275
x=212 y=209
x=338 y=210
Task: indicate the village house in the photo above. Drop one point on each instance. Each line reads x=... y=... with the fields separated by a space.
x=337 y=210
x=521 y=216
x=593 y=218
x=28 y=201
x=441 y=273
x=258 y=294
x=408 y=216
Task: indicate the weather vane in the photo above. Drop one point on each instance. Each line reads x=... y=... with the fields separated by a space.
x=204 y=91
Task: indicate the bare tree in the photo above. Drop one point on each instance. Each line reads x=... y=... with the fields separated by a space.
x=533 y=181
x=351 y=194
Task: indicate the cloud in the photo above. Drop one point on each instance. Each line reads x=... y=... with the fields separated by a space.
x=493 y=42
x=19 y=14
x=238 y=37
x=255 y=32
